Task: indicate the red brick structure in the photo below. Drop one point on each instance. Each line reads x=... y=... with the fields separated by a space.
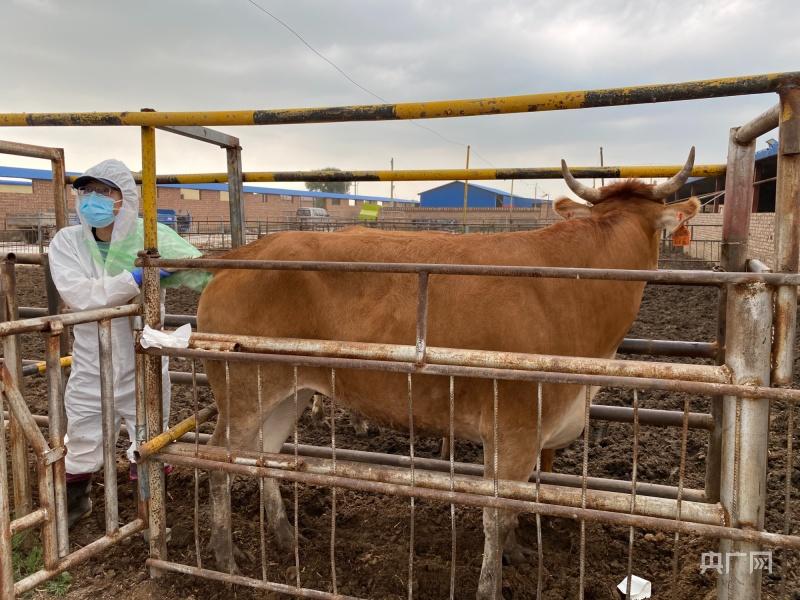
x=202 y=204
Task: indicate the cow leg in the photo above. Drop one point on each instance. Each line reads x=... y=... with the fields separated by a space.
x=516 y=461
x=548 y=457
x=244 y=435
x=515 y=552
x=360 y=424
x=318 y=409
x=444 y=449
x=221 y=542
x=277 y=427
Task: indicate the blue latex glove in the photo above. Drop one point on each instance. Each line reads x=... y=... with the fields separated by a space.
x=138 y=272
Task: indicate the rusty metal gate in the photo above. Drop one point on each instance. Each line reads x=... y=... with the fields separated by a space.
x=754 y=351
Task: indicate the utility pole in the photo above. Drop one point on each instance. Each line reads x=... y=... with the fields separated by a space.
x=602 y=179
x=464 y=222
x=391 y=189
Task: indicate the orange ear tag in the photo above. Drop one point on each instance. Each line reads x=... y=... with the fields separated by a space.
x=681 y=236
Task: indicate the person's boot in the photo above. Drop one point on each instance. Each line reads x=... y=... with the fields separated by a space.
x=79 y=502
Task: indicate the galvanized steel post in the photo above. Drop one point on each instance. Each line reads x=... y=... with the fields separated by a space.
x=6 y=570
x=20 y=467
x=59 y=188
x=235 y=198
x=745 y=433
x=152 y=364
x=735 y=231
x=104 y=335
x=56 y=428
x=787 y=236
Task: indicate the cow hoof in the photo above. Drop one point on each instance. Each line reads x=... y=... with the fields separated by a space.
x=284 y=537
x=518 y=555
x=226 y=556
x=228 y=565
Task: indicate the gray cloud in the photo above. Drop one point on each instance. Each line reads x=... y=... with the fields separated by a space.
x=213 y=54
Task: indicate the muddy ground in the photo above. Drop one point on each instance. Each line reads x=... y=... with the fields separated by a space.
x=372 y=532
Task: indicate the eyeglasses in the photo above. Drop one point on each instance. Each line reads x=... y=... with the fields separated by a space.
x=103 y=190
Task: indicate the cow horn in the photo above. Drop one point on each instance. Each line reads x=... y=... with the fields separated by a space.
x=589 y=194
x=674 y=183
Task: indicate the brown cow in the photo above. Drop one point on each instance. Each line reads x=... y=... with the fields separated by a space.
x=620 y=230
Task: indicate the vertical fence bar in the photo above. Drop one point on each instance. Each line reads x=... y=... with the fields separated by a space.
x=261 y=448
x=634 y=479
x=196 y=405
x=787 y=493
x=20 y=467
x=152 y=364
x=6 y=569
x=787 y=237
x=334 y=585
x=584 y=481
x=735 y=231
x=235 y=198
x=539 y=550
x=59 y=188
x=56 y=430
x=296 y=487
x=412 y=507
x=679 y=499
x=422 y=317
x=452 y=451
x=107 y=410
x=149 y=198
x=142 y=487
x=745 y=436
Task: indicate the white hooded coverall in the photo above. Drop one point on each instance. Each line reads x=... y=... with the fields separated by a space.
x=83 y=283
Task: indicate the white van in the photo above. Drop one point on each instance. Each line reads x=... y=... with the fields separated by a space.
x=311 y=217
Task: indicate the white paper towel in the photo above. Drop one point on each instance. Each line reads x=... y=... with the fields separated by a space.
x=153 y=338
x=640 y=588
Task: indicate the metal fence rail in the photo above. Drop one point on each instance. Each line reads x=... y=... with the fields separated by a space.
x=623 y=96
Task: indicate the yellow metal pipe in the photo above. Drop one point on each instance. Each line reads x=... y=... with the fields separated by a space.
x=41 y=367
x=644 y=94
x=175 y=433
x=149 y=187
x=618 y=172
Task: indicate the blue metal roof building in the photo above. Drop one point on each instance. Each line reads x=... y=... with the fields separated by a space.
x=15 y=174
x=713 y=187
x=451 y=195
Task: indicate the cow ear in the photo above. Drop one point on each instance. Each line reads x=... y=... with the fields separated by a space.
x=569 y=209
x=676 y=214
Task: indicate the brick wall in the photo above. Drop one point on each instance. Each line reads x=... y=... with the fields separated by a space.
x=211 y=205
x=37 y=200
x=761 y=243
x=707 y=236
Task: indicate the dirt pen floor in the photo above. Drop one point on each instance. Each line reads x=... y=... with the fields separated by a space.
x=372 y=532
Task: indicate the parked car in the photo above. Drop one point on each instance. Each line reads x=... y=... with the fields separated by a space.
x=314 y=218
x=184 y=222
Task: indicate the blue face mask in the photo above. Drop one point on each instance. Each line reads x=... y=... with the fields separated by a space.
x=97 y=210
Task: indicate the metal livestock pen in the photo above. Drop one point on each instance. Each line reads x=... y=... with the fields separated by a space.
x=753 y=351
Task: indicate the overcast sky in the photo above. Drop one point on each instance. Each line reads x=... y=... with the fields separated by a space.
x=116 y=55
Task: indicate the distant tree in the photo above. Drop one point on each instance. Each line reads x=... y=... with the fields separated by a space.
x=334 y=187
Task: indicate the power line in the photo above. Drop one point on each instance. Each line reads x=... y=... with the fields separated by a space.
x=353 y=81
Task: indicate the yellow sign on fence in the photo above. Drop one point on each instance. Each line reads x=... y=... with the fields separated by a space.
x=369 y=212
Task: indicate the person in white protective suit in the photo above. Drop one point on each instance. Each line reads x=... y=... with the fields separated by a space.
x=92 y=267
